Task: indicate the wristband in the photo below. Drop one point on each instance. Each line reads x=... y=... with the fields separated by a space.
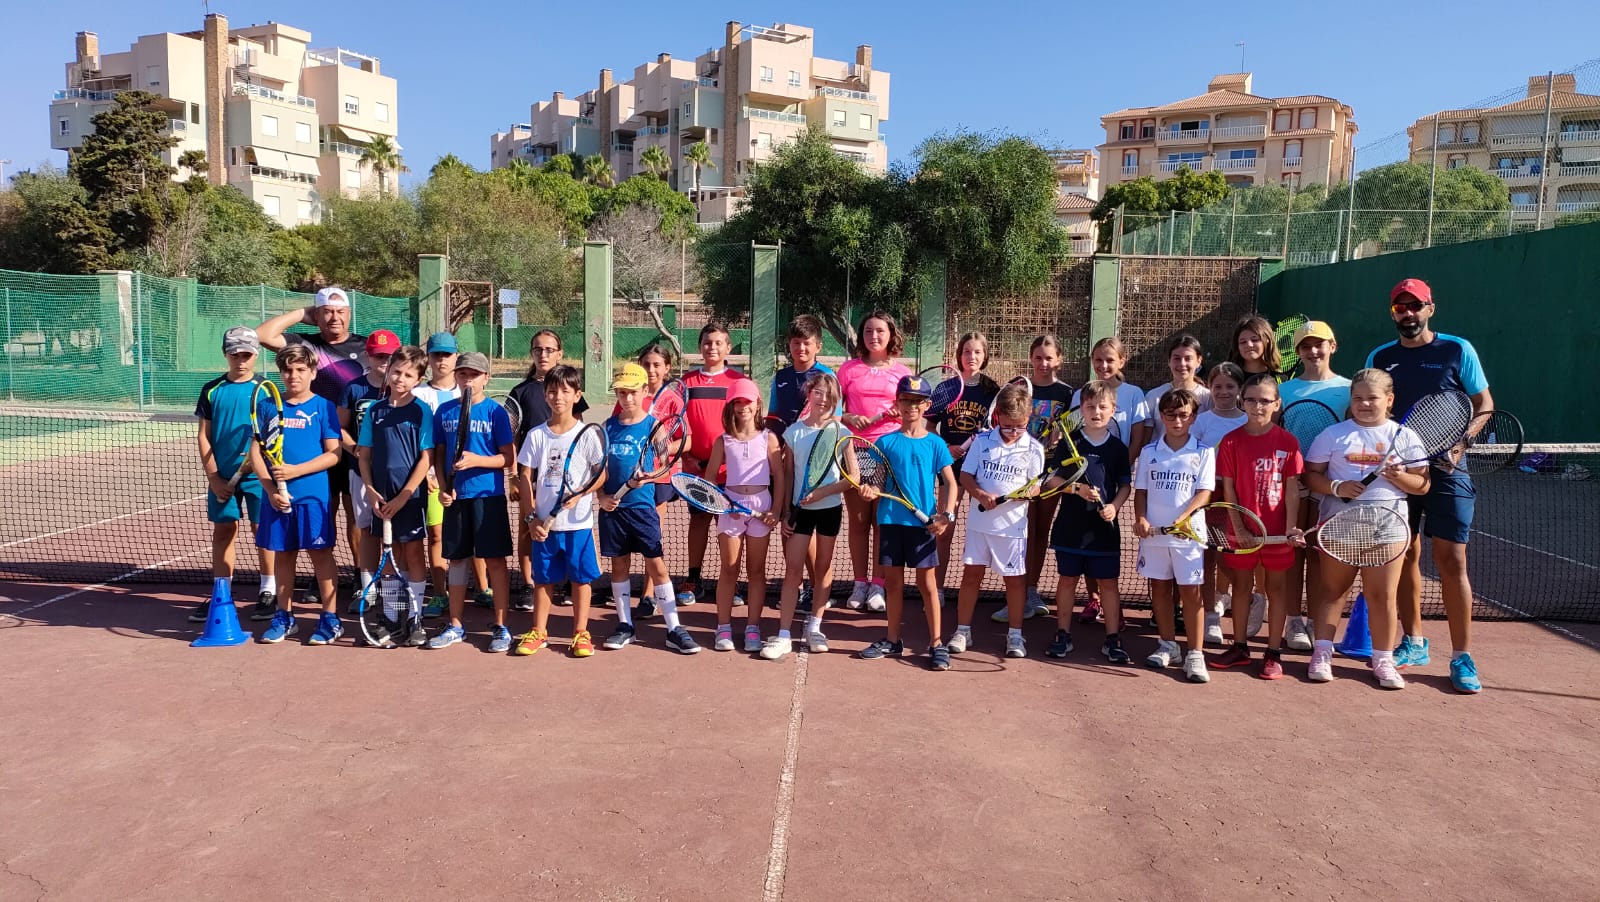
x=1334 y=489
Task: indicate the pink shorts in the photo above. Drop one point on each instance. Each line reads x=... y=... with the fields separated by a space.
x=742 y=524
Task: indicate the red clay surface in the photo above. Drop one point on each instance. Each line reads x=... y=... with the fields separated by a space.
x=139 y=768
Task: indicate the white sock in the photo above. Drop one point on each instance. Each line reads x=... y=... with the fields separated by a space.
x=1010 y=634
x=1323 y=645
x=784 y=634
x=366 y=577
x=269 y=584
x=619 y=595
x=419 y=595
x=967 y=630
x=813 y=624
x=667 y=604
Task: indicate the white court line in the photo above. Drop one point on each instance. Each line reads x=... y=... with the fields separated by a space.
x=59 y=532
x=783 y=806
x=1546 y=553
x=17 y=615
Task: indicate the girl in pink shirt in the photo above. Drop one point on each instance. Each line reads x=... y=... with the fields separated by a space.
x=869 y=383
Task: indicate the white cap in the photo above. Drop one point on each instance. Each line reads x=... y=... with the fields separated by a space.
x=332 y=296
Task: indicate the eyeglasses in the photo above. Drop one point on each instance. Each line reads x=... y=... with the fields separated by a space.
x=543 y=350
x=1412 y=306
x=1262 y=401
x=1011 y=430
x=1177 y=415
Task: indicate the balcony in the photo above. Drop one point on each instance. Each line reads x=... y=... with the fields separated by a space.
x=281 y=175
x=1569 y=139
x=700 y=83
x=1291 y=163
x=177 y=125
x=1524 y=209
x=1187 y=136
x=1463 y=141
x=1513 y=174
x=269 y=94
x=1175 y=165
x=1577 y=206
x=1527 y=139
x=583 y=120
x=841 y=93
x=81 y=94
x=1578 y=170
x=340 y=147
x=1239 y=133
x=1236 y=164
x=654 y=130
x=751 y=112
x=1129 y=172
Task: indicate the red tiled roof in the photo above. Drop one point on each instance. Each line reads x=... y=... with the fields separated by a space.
x=1213 y=99
x=1073 y=203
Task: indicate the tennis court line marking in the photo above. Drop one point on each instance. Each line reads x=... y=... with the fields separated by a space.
x=1547 y=624
x=1547 y=553
x=783 y=806
x=148 y=510
x=17 y=615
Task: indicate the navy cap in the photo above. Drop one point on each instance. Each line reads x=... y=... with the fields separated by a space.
x=914 y=385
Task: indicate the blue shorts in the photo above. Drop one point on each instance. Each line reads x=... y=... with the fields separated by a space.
x=246 y=500
x=565 y=557
x=907 y=546
x=306 y=527
x=1445 y=512
x=408 y=522
x=630 y=530
x=665 y=493
x=1094 y=566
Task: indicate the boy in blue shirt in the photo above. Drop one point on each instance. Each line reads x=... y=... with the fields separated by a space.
x=921 y=465
x=225 y=439
x=477 y=523
x=355 y=401
x=393 y=452
x=298 y=518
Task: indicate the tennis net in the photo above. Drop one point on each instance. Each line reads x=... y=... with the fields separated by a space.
x=113 y=495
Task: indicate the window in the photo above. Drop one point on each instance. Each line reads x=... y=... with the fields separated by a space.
x=302 y=132
x=233 y=156
x=1308 y=118
x=1282 y=120
x=1291 y=180
x=1291 y=149
x=302 y=209
x=1456 y=161
x=688 y=109
x=1147 y=130
x=380 y=112
x=270 y=204
x=1190 y=125
x=269 y=126
x=766 y=73
x=864 y=121
x=1127 y=132
x=63 y=125
x=352 y=178
x=763 y=139
x=152 y=76
x=1447 y=134
x=1130 y=158
x=1524 y=198
x=1248 y=153
x=838 y=118
x=794 y=78
x=194 y=113
x=352 y=104
x=1469 y=133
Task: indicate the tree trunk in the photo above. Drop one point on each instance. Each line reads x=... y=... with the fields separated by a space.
x=840 y=329
x=661 y=326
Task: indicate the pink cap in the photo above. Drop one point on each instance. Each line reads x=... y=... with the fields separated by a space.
x=743 y=390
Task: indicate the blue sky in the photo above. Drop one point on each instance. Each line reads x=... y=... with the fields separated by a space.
x=1047 y=71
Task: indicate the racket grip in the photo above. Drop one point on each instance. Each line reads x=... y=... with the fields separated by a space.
x=388 y=532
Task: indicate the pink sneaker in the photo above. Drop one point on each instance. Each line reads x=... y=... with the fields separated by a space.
x=1321 y=667
x=1387 y=675
x=1091 y=610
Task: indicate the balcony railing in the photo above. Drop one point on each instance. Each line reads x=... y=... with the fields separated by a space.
x=1291 y=162
x=1175 y=165
x=341 y=147
x=1463 y=141
x=1130 y=171
x=1578 y=170
x=269 y=94
x=282 y=175
x=177 y=125
x=1577 y=206
x=1235 y=164
x=700 y=83
x=751 y=112
x=847 y=95
x=1238 y=132
x=81 y=94
x=1524 y=208
x=1187 y=136
x=1516 y=173
x=1527 y=139
x=655 y=130
x=583 y=120
x=1587 y=137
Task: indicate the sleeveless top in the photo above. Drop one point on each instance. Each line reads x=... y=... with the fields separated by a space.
x=746 y=460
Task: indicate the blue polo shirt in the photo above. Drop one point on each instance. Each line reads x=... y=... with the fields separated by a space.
x=789 y=391
x=399 y=437
x=1443 y=364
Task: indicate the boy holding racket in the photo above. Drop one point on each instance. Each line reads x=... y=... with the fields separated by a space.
x=354 y=403
x=920 y=462
x=1173 y=479
x=396 y=435
x=441 y=387
x=632 y=526
x=225 y=439
x=477 y=521
x=708 y=390
x=563 y=539
x=300 y=516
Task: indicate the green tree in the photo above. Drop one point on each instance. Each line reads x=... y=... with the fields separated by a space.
x=46 y=226
x=596 y=171
x=566 y=162
x=699 y=156
x=1189 y=190
x=675 y=210
x=555 y=188
x=1145 y=202
x=381 y=155
x=121 y=169
x=452 y=163
x=1391 y=205
x=645 y=258
x=370 y=244
x=655 y=161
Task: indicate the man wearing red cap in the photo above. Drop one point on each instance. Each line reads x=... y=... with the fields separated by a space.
x=1424 y=362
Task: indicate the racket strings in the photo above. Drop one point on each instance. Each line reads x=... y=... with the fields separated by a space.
x=1233 y=530
x=1440 y=420
x=820 y=461
x=1365 y=536
x=871 y=468
x=702 y=495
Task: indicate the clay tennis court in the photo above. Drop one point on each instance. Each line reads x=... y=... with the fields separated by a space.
x=139 y=768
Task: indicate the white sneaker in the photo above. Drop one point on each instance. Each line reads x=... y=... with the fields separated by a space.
x=858 y=596
x=1214 y=628
x=1321 y=668
x=776 y=647
x=875 y=602
x=958 y=643
x=1298 y=635
x=1387 y=675
x=1165 y=653
x=1258 y=615
x=1222 y=603
x=1015 y=647
x=1194 y=667
x=816 y=643
x=1035 y=605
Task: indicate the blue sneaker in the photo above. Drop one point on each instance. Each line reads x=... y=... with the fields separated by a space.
x=1411 y=652
x=883 y=648
x=436 y=607
x=328 y=629
x=501 y=641
x=449 y=636
x=1464 y=674
x=282 y=627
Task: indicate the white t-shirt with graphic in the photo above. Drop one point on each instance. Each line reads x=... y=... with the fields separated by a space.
x=1352 y=450
x=1209 y=427
x=545 y=453
x=1170 y=478
x=1000 y=468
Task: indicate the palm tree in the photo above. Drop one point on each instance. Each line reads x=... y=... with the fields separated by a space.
x=698 y=154
x=655 y=161
x=597 y=171
x=382 y=156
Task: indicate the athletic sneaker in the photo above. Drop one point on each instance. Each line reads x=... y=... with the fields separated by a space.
x=484 y=598
x=416 y=636
x=560 y=599
x=266 y=604
x=724 y=640
x=644 y=610
x=582 y=644
x=1235 y=655
x=1387 y=676
x=959 y=641
x=436 y=607
x=1412 y=652
x=1194 y=667
x=328 y=629
x=1061 y=645
x=1298 y=634
x=1036 y=606
x=776 y=647
x=1257 y=615
x=1214 y=628
x=802 y=604
x=1091 y=610
x=522 y=600
x=450 y=635
x=1271 y=669
x=679 y=640
x=201 y=612
x=1464 y=674
x=688 y=592
x=1320 y=670
x=816 y=643
x=883 y=648
x=620 y=637
x=530 y=642
x=938 y=658
x=752 y=639
x=858 y=596
x=1165 y=655
x=499 y=641
x=283 y=626
x=875 y=601
x=1114 y=651
x=1015 y=647
x=738 y=601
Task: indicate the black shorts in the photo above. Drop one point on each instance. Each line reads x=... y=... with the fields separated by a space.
x=907 y=546
x=823 y=522
x=665 y=493
x=339 y=476
x=476 y=527
x=630 y=530
x=406 y=525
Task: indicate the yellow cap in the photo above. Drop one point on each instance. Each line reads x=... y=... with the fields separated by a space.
x=1314 y=329
x=632 y=377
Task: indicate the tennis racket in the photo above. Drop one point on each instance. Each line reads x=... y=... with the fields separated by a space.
x=513 y=413
x=585 y=463
x=268 y=428
x=871 y=470
x=670 y=400
x=662 y=448
x=1288 y=351
x=1228 y=527
x=244 y=464
x=463 y=429
x=947 y=387
x=821 y=467
x=1306 y=419
x=1494 y=442
x=1439 y=420
x=989 y=421
x=1360 y=535
x=1065 y=474
x=382 y=624
x=707 y=496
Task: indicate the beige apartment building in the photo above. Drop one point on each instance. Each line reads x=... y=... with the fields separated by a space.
x=1511 y=141
x=1252 y=140
x=758 y=90
x=1077 y=191
x=284 y=123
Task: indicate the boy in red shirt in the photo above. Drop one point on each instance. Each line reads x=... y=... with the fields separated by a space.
x=707 y=390
x=1259 y=465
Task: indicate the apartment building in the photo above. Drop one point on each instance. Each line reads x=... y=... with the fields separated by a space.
x=283 y=122
x=1511 y=141
x=1077 y=191
x=758 y=90
x=1253 y=140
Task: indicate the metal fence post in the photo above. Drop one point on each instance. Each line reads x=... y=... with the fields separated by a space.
x=11 y=375
x=138 y=329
